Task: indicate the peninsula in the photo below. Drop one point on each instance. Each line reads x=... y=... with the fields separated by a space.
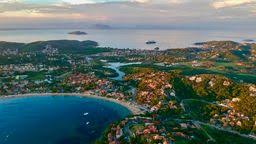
x=198 y=94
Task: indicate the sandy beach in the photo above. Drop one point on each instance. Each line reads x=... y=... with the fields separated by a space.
x=135 y=110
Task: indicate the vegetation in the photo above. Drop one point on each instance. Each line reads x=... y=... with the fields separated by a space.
x=193 y=95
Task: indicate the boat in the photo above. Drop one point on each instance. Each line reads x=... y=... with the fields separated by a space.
x=150 y=42
x=86 y=114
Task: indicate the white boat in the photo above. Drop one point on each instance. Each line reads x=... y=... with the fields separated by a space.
x=85 y=114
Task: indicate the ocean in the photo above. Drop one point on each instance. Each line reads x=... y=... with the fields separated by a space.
x=130 y=38
x=56 y=119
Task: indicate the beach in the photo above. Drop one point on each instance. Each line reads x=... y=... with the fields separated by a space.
x=134 y=109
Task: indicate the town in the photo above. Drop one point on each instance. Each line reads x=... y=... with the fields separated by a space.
x=189 y=95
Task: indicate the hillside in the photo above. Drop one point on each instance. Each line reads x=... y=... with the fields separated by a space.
x=63 y=46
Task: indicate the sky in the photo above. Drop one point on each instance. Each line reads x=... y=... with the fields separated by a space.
x=238 y=14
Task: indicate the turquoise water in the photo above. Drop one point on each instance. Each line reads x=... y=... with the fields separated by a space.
x=56 y=120
x=116 y=66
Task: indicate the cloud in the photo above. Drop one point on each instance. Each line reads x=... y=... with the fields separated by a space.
x=231 y=3
x=128 y=13
x=78 y=2
x=8 y=1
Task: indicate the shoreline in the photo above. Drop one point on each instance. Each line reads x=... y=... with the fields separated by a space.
x=134 y=109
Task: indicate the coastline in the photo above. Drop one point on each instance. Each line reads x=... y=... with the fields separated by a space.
x=134 y=109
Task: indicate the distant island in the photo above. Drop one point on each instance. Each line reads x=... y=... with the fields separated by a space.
x=101 y=26
x=199 y=43
x=77 y=33
x=248 y=40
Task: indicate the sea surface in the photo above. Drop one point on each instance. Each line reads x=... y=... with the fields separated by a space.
x=56 y=119
x=130 y=38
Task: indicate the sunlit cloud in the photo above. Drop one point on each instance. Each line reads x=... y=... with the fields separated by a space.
x=8 y=1
x=230 y=3
x=34 y=14
x=129 y=12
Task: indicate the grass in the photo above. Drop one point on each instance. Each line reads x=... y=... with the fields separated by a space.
x=201 y=110
x=224 y=137
x=36 y=75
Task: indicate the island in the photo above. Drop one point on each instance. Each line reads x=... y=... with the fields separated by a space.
x=199 y=43
x=77 y=33
x=248 y=40
x=101 y=27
